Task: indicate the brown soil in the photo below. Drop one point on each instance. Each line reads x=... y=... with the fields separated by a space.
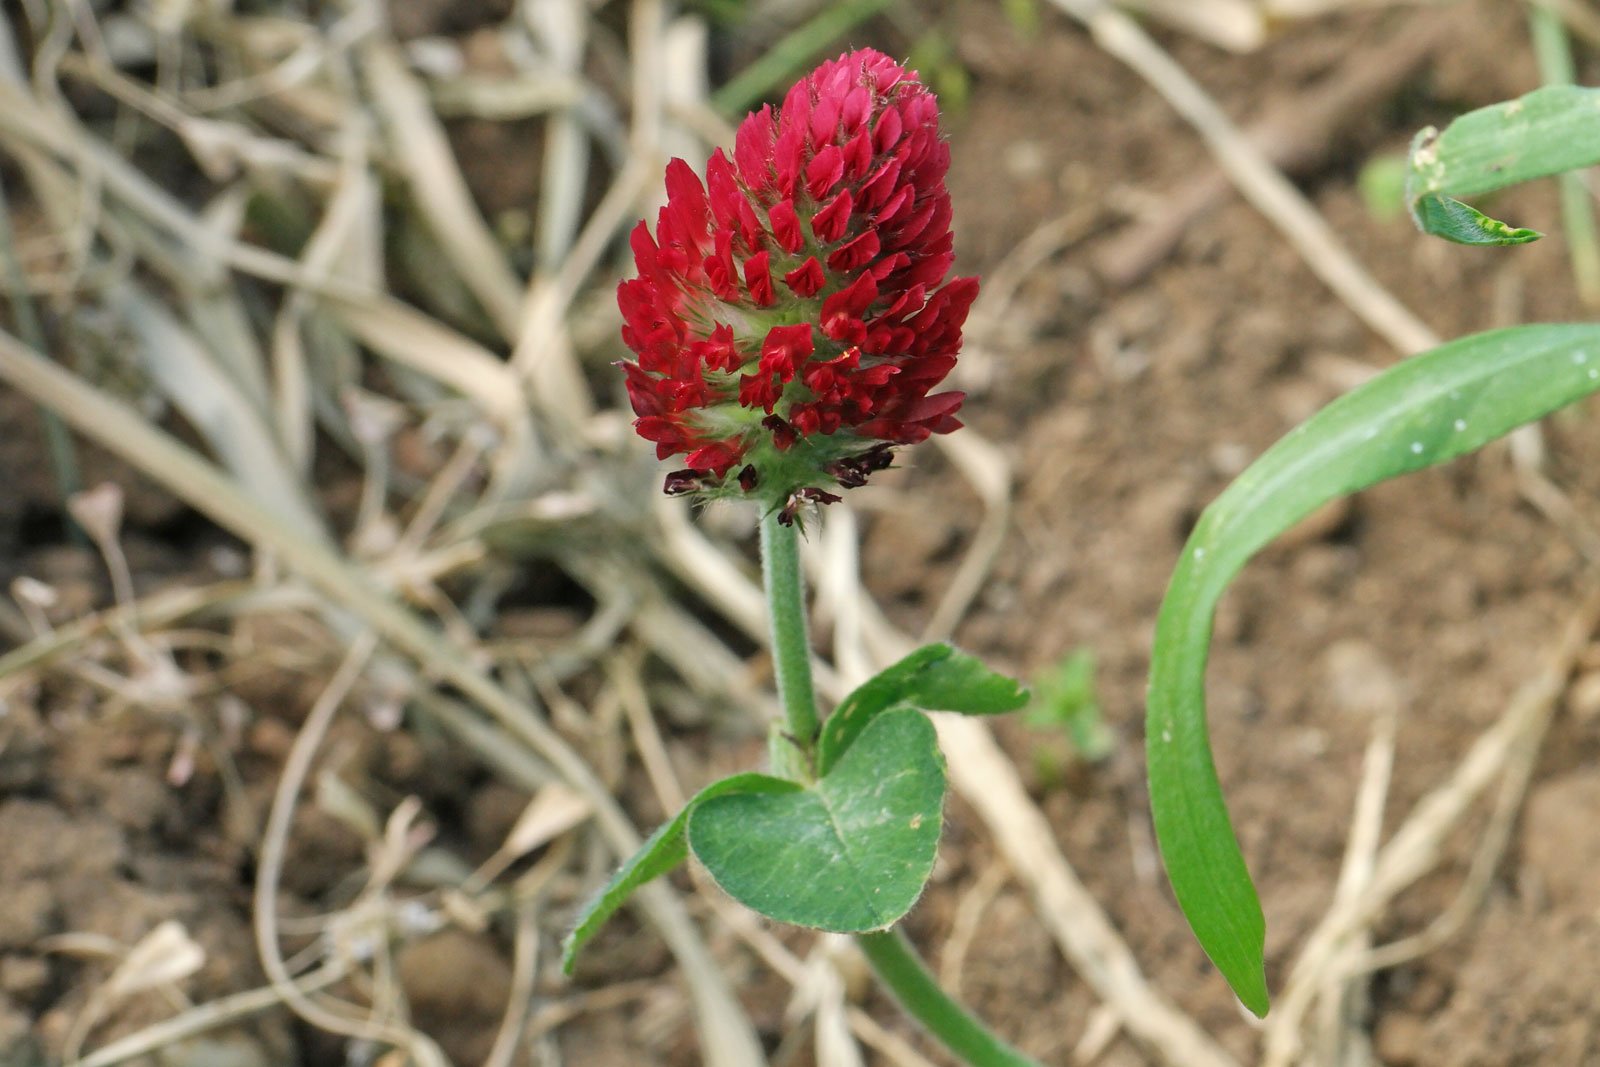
x=1125 y=410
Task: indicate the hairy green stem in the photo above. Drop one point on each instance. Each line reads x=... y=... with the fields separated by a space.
x=899 y=968
x=791 y=646
x=890 y=953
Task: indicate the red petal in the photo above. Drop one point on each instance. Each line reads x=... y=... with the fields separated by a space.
x=786 y=226
x=825 y=121
x=858 y=156
x=857 y=106
x=830 y=223
x=645 y=256
x=642 y=391
x=785 y=349
x=852 y=301
x=856 y=254
x=897 y=205
x=931 y=407
x=718 y=457
x=807 y=279
x=759 y=391
x=880 y=187
x=888 y=265
x=750 y=229
x=661 y=430
x=887 y=133
x=805 y=420
x=824 y=172
x=758 y=278
x=686 y=199
x=719 y=351
x=752 y=149
x=788 y=154
x=723 y=190
x=931 y=269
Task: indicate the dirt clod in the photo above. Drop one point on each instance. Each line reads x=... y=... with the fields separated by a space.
x=457 y=984
x=1561 y=846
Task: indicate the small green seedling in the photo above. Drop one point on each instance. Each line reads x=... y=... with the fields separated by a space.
x=1066 y=702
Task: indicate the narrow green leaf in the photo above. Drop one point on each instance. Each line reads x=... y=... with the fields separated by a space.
x=935 y=677
x=1424 y=411
x=663 y=851
x=852 y=852
x=1548 y=131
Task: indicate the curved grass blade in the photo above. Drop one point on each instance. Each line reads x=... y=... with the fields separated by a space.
x=1548 y=131
x=664 y=850
x=1424 y=411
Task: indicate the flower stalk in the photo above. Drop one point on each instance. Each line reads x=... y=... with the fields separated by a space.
x=791 y=644
x=900 y=969
x=892 y=957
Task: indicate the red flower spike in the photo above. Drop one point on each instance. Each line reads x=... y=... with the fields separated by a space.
x=785 y=392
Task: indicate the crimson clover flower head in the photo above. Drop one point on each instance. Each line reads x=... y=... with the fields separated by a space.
x=791 y=315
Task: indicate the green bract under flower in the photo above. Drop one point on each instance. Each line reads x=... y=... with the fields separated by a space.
x=792 y=314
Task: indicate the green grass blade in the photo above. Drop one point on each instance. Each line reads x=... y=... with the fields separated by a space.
x=1548 y=131
x=1424 y=411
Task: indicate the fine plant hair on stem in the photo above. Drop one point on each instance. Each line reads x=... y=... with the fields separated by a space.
x=781 y=573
